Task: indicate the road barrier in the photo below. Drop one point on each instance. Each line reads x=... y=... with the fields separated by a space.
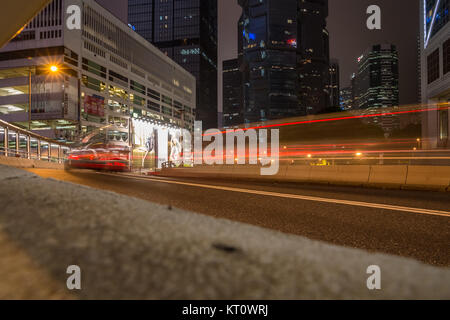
x=399 y=177
x=388 y=175
x=426 y=176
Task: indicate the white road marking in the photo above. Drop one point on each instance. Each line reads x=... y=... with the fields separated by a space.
x=294 y=196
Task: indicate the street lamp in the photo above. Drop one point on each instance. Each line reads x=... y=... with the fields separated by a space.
x=54 y=69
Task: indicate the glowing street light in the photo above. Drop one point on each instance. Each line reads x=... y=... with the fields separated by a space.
x=54 y=69
x=358 y=154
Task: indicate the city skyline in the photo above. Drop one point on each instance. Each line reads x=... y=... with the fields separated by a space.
x=283 y=52
x=347 y=49
x=343 y=48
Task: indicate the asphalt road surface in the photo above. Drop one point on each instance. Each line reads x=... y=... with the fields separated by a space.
x=413 y=224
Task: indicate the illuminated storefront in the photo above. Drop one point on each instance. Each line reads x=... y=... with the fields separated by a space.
x=156 y=145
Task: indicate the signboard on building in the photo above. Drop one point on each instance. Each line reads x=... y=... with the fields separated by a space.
x=156 y=145
x=94 y=105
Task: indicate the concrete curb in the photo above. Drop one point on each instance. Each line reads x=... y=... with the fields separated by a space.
x=132 y=249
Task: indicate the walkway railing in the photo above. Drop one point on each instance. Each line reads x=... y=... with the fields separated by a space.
x=17 y=142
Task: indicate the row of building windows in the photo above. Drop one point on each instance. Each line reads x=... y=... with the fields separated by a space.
x=31 y=35
x=100 y=71
x=94 y=49
x=433 y=62
x=97 y=28
x=50 y=34
x=50 y=16
x=24 y=36
x=100 y=86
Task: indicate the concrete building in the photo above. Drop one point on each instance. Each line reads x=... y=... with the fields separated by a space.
x=435 y=72
x=105 y=75
x=186 y=31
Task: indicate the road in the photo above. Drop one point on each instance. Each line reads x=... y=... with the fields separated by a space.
x=413 y=224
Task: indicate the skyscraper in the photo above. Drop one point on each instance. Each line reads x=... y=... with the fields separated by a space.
x=377 y=83
x=284 y=57
x=435 y=72
x=232 y=94
x=334 y=84
x=377 y=78
x=314 y=50
x=186 y=31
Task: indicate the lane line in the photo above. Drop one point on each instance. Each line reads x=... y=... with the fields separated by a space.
x=294 y=196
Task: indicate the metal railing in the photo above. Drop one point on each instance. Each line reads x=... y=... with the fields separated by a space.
x=20 y=143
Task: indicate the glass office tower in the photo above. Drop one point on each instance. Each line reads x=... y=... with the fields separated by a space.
x=186 y=31
x=378 y=84
x=435 y=72
x=284 y=57
x=378 y=77
x=232 y=94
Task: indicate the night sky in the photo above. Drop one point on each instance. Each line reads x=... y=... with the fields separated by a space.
x=349 y=36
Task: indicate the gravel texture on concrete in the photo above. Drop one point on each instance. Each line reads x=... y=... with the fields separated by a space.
x=133 y=249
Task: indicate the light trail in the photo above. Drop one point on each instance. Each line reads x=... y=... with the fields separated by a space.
x=333 y=119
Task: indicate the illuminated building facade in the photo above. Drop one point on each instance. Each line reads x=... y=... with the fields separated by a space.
x=232 y=94
x=334 y=84
x=186 y=31
x=435 y=72
x=107 y=75
x=377 y=78
x=377 y=83
x=284 y=57
x=314 y=52
x=346 y=98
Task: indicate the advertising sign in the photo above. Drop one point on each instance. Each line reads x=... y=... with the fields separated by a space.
x=94 y=105
x=157 y=145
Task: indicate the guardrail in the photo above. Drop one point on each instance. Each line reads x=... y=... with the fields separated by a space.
x=20 y=143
